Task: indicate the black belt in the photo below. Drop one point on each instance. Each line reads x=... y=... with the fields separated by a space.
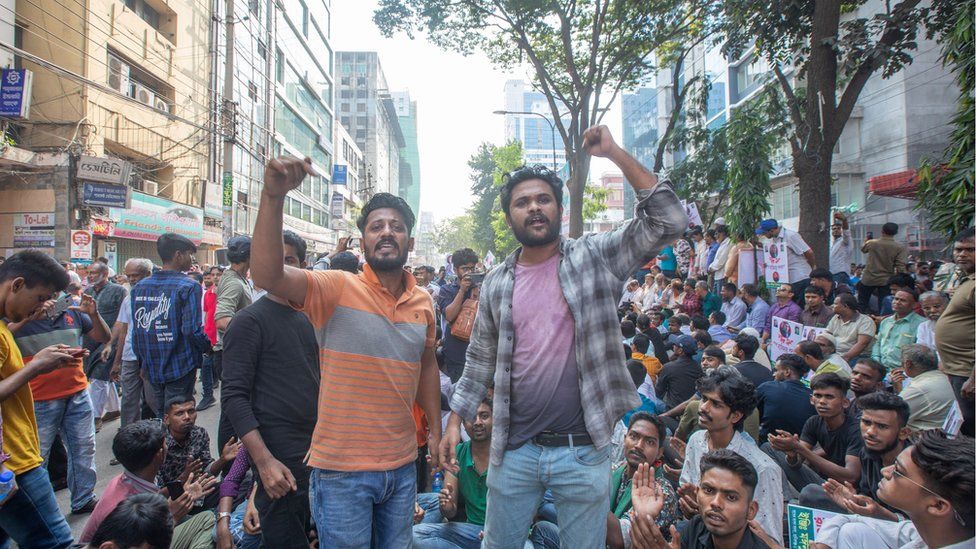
x=546 y=438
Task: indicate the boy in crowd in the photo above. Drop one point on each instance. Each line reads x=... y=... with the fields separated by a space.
x=867 y=376
x=829 y=444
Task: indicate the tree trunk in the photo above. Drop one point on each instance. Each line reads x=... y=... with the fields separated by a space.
x=813 y=181
x=579 y=170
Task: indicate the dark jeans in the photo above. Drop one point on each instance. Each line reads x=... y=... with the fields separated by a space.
x=285 y=521
x=864 y=294
x=31 y=516
x=965 y=404
x=178 y=387
x=207 y=375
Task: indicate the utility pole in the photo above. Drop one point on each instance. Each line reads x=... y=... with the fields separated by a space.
x=229 y=123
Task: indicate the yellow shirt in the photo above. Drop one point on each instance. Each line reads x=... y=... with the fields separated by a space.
x=19 y=426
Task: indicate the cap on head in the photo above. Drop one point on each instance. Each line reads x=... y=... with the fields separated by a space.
x=687 y=344
x=239 y=249
x=767 y=225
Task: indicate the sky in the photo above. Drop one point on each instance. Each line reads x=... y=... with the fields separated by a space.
x=455 y=98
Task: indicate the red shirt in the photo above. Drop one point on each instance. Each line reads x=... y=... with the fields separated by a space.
x=119 y=488
x=209 y=308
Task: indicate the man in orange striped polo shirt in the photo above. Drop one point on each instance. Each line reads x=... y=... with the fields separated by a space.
x=376 y=351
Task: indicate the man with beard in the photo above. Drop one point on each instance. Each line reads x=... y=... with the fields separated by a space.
x=727 y=399
x=643 y=447
x=884 y=431
x=376 y=334
x=954 y=330
x=188 y=445
x=465 y=494
x=932 y=482
x=867 y=376
x=726 y=499
x=108 y=300
x=559 y=379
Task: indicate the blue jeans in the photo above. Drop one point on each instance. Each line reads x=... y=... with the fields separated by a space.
x=580 y=483
x=431 y=504
x=178 y=387
x=360 y=509
x=74 y=418
x=31 y=516
x=545 y=535
x=448 y=535
x=206 y=375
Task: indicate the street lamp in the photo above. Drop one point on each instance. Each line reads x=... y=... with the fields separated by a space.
x=552 y=131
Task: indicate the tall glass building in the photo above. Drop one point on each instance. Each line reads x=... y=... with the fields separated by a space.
x=640 y=134
x=409 y=154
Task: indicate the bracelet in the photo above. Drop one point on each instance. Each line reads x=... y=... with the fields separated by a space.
x=222 y=515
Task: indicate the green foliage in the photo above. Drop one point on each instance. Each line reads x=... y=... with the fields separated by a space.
x=505 y=242
x=594 y=202
x=454 y=233
x=945 y=186
x=751 y=135
x=582 y=53
x=488 y=165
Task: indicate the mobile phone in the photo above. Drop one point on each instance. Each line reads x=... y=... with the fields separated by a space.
x=477 y=278
x=60 y=307
x=870 y=235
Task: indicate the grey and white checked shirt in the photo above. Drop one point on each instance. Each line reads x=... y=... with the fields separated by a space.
x=591 y=271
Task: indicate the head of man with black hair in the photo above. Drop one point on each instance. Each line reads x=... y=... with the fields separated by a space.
x=386 y=222
x=726 y=495
x=140 y=446
x=176 y=252
x=745 y=347
x=727 y=399
x=884 y=423
x=644 y=442
x=867 y=376
x=829 y=398
x=27 y=280
x=180 y=415
x=964 y=250
x=790 y=366
x=889 y=229
x=296 y=250
x=933 y=482
x=811 y=353
x=712 y=357
x=532 y=199
x=627 y=329
x=141 y=521
x=345 y=261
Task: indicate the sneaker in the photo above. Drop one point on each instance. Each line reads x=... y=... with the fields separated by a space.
x=113 y=461
x=207 y=402
x=88 y=507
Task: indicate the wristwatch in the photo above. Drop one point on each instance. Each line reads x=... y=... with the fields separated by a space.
x=222 y=515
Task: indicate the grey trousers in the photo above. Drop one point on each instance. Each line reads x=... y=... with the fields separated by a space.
x=134 y=390
x=794 y=478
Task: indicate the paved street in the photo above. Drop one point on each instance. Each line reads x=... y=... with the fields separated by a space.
x=103 y=453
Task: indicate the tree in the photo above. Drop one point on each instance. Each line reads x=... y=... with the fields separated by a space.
x=454 y=233
x=945 y=186
x=834 y=48
x=488 y=166
x=583 y=53
x=594 y=202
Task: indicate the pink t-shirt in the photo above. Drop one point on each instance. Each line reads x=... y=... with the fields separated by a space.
x=545 y=377
x=118 y=489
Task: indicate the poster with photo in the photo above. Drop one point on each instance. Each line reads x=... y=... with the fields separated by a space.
x=777 y=270
x=694 y=217
x=810 y=333
x=785 y=336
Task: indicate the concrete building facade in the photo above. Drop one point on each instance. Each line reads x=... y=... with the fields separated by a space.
x=541 y=143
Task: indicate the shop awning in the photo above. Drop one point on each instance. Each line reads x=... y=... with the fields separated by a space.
x=896 y=185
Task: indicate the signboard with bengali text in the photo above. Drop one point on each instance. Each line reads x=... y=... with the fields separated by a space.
x=784 y=336
x=34 y=230
x=804 y=523
x=151 y=216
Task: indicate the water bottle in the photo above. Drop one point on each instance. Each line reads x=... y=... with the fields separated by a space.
x=438 y=483
x=8 y=485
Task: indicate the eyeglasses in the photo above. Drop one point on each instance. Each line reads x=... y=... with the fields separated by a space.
x=955 y=514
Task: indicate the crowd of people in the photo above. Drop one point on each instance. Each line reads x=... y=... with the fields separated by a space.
x=622 y=389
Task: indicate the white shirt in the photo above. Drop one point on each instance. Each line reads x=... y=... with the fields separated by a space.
x=901 y=535
x=841 y=252
x=795 y=248
x=701 y=257
x=769 y=491
x=721 y=256
x=926 y=334
x=125 y=317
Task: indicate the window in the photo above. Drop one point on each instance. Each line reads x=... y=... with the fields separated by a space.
x=361 y=81
x=360 y=107
x=361 y=94
x=144 y=11
x=345 y=94
x=262 y=50
x=252 y=90
x=254 y=6
x=345 y=121
x=279 y=66
x=345 y=80
x=304 y=19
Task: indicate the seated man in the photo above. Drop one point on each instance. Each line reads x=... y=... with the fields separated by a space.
x=676 y=382
x=716 y=328
x=727 y=399
x=188 y=445
x=643 y=447
x=465 y=495
x=712 y=358
x=930 y=395
x=641 y=345
x=785 y=403
x=828 y=447
x=745 y=349
x=867 y=376
x=828 y=346
x=140 y=448
x=141 y=520
x=932 y=482
x=884 y=432
x=813 y=355
x=725 y=498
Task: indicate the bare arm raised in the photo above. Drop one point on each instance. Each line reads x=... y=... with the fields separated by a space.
x=268 y=270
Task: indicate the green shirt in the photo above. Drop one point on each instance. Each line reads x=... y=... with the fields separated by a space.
x=710 y=304
x=472 y=486
x=893 y=334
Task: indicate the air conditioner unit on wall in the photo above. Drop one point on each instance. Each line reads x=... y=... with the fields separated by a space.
x=150 y=187
x=160 y=104
x=144 y=95
x=118 y=75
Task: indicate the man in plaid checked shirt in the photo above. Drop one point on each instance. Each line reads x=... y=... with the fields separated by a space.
x=547 y=338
